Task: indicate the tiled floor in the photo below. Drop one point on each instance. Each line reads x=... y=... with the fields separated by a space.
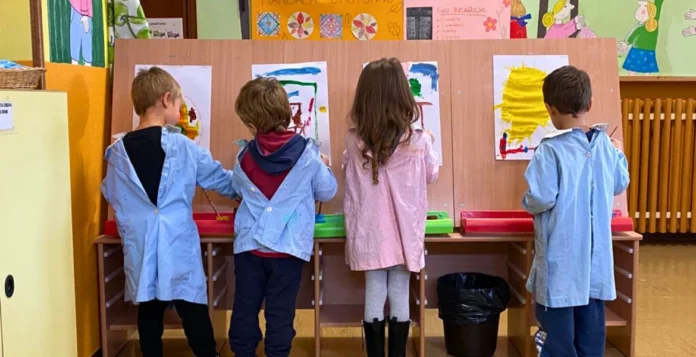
x=666 y=316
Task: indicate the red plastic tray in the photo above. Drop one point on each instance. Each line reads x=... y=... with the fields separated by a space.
x=208 y=224
x=520 y=222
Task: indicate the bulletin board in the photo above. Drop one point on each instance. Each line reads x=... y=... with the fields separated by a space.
x=470 y=177
x=326 y=20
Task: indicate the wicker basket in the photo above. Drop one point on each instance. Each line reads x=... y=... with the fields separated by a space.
x=20 y=78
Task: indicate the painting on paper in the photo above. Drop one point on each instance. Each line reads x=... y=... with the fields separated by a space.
x=76 y=32
x=424 y=78
x=196 y=85
x=307 y=88
x=521 y=118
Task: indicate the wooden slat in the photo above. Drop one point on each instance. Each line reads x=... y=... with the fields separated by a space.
x=692 y=226
x=644 y=157
x=675 y=171
x=625 y=110
x=634 y=163
x=37 y=48
x=654 y=166
x=665 y=159
x=687 y=167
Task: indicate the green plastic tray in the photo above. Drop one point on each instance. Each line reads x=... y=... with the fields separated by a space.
x=438 y=223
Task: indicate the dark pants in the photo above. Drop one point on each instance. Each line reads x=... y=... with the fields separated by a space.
x=275 y=280
x=572 y=331
x=194 y=317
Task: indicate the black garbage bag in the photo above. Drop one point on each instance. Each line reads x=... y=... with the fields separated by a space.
x=471 y=298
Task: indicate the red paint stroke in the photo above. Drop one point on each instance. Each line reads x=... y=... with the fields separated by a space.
x=420 y=108
x=504 y=151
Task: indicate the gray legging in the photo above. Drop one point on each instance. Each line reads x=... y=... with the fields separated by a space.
x=393 y=283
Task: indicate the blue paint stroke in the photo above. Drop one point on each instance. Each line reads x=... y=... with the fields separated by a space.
x=294 y=94
x=426 y=69
x=294 y=71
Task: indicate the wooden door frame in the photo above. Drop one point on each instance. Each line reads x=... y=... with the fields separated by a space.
x=37 y=48
x=191 y=19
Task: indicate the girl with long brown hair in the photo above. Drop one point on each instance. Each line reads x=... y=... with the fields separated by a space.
x=387 y=166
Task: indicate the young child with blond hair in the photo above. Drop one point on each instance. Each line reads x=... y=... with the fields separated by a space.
x=150 y=182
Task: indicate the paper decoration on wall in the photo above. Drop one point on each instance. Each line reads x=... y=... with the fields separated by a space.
x=308 y=92
x=300 y=25
x=126 y=20
x=456 y=19
x=76 y=32
x=424 y=81
x=197 y=85
x=331 y=26
x=167 y=28
x=640 y=44
x=331 y=19
x=521 y=118
x=268 y=24
x=364 y=26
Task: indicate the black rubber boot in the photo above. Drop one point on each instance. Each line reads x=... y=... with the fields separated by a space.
x=398 y=337
x=374 y=338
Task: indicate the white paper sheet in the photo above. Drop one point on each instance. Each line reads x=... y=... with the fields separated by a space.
x=197 y=86
x=521 y=119
x=307 y=88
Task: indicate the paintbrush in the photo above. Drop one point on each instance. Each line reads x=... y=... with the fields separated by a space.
x=211 y=203
x=613 y=131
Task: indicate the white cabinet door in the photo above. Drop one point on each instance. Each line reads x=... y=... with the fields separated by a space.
x=36 y=228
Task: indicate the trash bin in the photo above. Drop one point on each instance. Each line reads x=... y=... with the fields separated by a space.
x=469 y=306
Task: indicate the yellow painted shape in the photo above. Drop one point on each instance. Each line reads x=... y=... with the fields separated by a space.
x=322 y=109
x=15 y=30
x=88 y=108
x=36 y=244
x=523 y=103
x=388 y=13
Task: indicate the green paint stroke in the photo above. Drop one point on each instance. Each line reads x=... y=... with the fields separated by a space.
x=415 y=87
x=314 y=85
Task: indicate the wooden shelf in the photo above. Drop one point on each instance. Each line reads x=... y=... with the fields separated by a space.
x=612 y=319
x=435 y=347
x=129 y=321
x=344 y=316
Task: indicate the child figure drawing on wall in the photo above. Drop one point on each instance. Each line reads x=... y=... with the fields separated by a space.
x=81 y=13
x=642 y=40
x=558 y=21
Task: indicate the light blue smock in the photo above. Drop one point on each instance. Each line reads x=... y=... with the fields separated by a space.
x=161 y=246
x=285 y=223
x=572 y=183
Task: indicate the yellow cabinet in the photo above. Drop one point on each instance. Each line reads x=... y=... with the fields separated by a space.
x=36 y=246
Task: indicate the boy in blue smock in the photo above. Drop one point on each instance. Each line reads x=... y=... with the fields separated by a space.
x=150 y=182
x=573 y=177
x=279 y=176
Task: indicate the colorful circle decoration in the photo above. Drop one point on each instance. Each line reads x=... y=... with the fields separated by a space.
x=300 y=25
x=189 y=120
x=364 y=26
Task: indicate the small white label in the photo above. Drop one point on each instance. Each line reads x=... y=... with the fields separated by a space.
x=6 y=116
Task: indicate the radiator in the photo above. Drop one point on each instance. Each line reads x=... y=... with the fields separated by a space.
x=659 y=145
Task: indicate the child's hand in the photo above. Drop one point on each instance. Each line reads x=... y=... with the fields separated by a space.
x=430 y=133
x=325 y=159
x=617 y=144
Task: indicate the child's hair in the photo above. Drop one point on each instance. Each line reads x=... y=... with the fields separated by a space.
x=149 y=85
x=383 y=111
x=568 y=89
x=651 y=23
x=263 y=103
x=548 y=18
x=517 y=9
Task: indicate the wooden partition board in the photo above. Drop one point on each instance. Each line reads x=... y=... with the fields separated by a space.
x=470 y=177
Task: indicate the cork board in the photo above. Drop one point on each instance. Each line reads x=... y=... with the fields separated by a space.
x=470 y=177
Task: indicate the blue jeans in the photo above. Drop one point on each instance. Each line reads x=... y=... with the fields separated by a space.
x=275 y=280
x=80 y=41
x=578 y=331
